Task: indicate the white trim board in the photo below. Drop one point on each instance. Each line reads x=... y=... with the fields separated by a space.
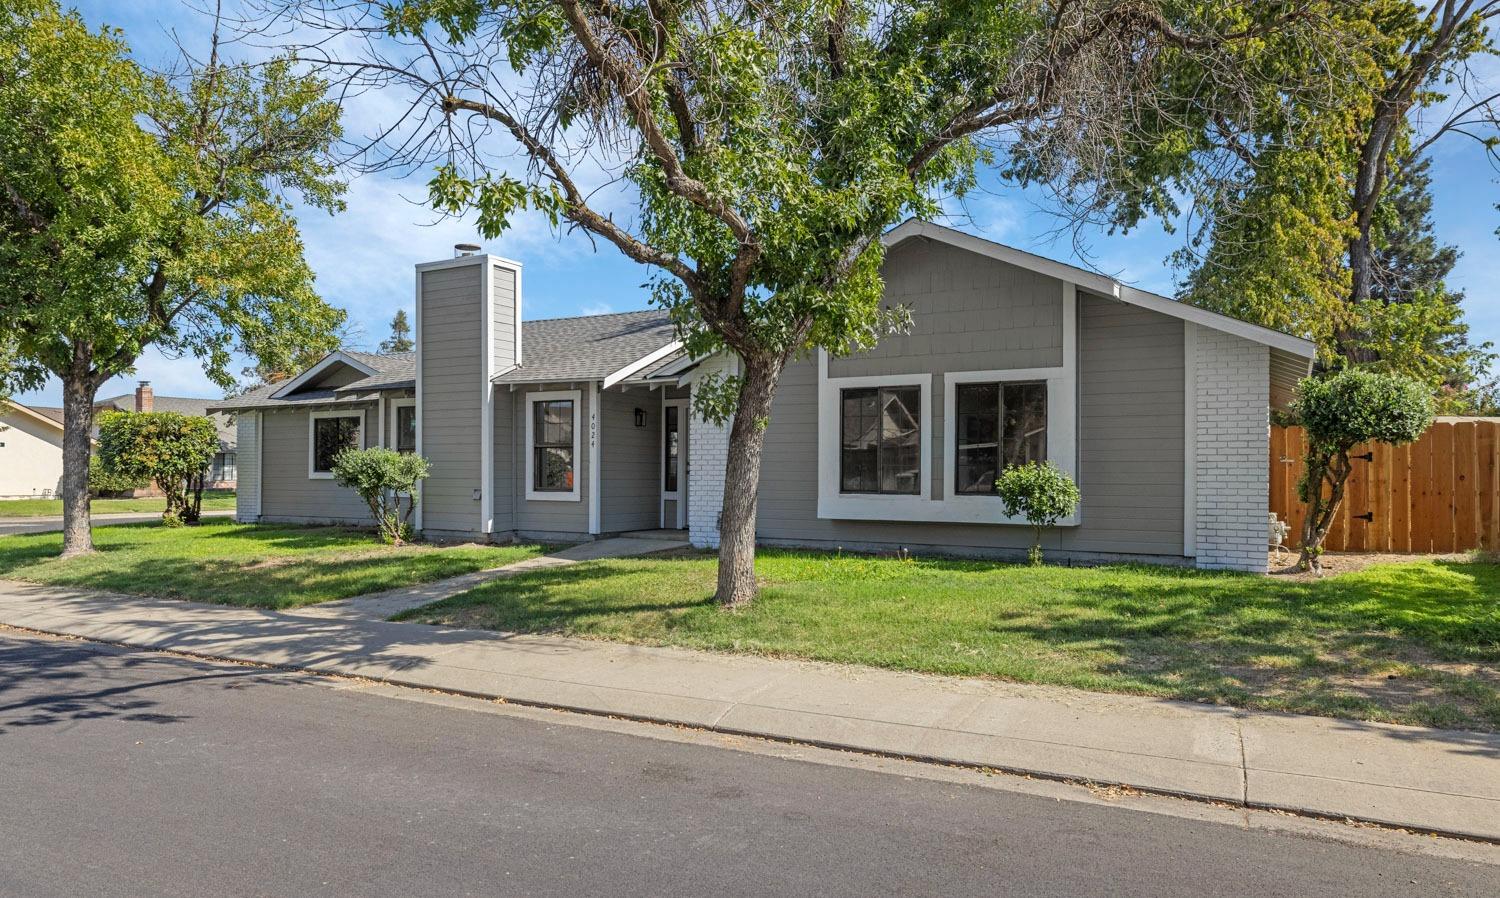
x=529 y=447
x=328 y=361
x=684 y=408
x=1090 y=280
x=644 y=361
x=417 y=331
x=595 y=439
x=312 y=436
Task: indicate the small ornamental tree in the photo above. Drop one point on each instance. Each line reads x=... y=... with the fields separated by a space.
x=169 y=449
x=387 y=481
x=1339 y=412
x=1040 y=492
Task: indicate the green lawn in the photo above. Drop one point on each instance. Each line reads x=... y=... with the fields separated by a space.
x=244 y=564
x=214 y=500
x=1413 y=643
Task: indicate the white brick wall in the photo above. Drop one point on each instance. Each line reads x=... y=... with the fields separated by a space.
x=708 y=454
x=1232 y=396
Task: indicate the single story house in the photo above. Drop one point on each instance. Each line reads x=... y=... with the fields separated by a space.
x=31 y=439
x=576 y=428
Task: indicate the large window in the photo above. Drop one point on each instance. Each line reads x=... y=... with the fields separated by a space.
x=880 y=440
x=998 y=425
x=552 y=446
x=332 y=433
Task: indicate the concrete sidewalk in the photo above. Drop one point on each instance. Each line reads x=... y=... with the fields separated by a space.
x=1436 y=780
x=54 y=523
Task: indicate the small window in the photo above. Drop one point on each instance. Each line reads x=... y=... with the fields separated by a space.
x=998 y=425
x=880 y=440
x=406 y=428
x=552 y=446
x=671 y=450
x=331 y=435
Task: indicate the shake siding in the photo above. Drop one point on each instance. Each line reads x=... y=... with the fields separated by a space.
x=1130 y=371
x=969 y=313
x=287 y=493
x=630 y=457
x=504 y=318
x=452 y=372
x=548 y=517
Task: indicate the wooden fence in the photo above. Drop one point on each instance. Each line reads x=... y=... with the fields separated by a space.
x=1439 y=494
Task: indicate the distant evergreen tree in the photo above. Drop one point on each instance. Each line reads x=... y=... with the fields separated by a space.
x=400 y=340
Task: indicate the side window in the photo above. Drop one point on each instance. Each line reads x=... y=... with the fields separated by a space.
x=332 y=434
x=880 y=440
x=406 y=428
x=552 y=445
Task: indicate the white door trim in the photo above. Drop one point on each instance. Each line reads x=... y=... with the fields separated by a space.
x=678 y=495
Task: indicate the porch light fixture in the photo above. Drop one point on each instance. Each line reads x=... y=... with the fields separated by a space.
x=640 y=417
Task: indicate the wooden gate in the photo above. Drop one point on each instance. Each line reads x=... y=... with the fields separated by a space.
x=1439 y=494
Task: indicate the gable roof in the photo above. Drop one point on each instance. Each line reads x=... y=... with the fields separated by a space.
x=44 y=413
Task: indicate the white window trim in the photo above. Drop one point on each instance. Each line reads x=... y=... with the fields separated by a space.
x=950 y=507
x=312 y=436
x=532 y=495
x=395 y=420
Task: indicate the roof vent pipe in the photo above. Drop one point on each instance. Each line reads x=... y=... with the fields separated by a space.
x=464 y=249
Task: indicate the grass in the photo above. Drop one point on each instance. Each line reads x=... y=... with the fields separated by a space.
x=244 y=564
x=1409 y=643
x=213 y=500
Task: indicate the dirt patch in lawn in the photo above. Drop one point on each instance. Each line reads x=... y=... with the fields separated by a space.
x=1335 y=563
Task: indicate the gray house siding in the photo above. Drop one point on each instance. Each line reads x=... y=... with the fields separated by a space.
x=503 y=315
x=969 y=313
x=452 y=370
x=287 y=493
x=505 y=458
x=630 y=461
x=1130 y=418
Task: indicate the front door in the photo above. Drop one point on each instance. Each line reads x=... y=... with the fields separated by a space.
x=674 y=463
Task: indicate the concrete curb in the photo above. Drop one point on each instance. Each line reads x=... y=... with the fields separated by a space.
x=1407 y=777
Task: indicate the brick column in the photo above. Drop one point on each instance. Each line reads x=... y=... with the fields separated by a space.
x=708 y=454
x=1233 y=432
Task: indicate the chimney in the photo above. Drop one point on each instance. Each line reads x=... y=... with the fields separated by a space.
x=464 y=249
x=143 y=397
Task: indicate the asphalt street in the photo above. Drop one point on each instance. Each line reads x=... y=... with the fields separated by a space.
x=131 y=773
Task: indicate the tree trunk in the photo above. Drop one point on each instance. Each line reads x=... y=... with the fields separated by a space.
x=79 y=385
x=742 y=481
x=1320 y=513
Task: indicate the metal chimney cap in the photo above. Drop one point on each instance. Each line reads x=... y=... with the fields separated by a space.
x=465 y=249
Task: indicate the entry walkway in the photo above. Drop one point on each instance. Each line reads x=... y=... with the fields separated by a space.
x=1412 y=777
x=388 y=604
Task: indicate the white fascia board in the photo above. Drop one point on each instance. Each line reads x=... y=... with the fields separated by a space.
x=337 y=357
x=642 y=363
x=16 y=406
x=461 y=261
x=1098 y=283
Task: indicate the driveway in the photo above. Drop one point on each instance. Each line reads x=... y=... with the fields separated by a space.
x=53 y=523
x=133 y=773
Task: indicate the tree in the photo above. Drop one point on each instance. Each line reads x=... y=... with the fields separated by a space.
x=147 y=210
x=766 y=146
x=1340 y=412
x=400 y=339
x=1316 y=221
x=169 y=449
x=1040 y=492
x=387 y=481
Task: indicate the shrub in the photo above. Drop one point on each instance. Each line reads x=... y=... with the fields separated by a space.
x=1340 y=411
x=387 y=481
x=103 y=482
x=169 y=449
x=1040 y=492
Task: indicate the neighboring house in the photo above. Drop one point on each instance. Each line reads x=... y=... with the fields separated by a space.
x=579 y=427
x=31 y=441
x=223 y=470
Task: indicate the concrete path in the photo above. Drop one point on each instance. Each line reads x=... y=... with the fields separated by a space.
x=388 y=604
x=53 y=523
x=1437 y=780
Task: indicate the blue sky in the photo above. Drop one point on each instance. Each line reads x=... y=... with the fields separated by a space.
x=364 y=257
